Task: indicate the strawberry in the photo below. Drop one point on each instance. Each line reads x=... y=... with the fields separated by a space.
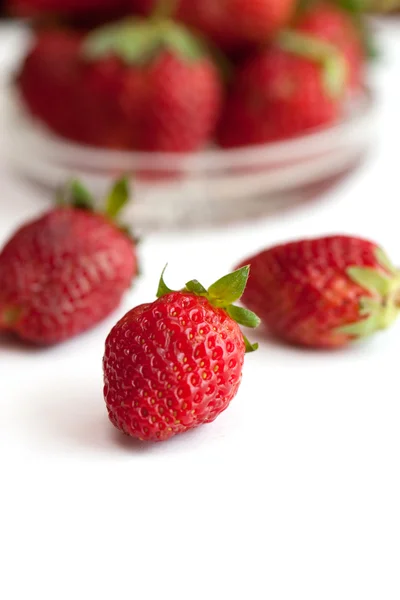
x=140 y=85
x=176 y=363
x=284 y=91
x=229 y=23
x=332 y=24
x=49 y=77
x=66 y=271
x=64 y=7
x=324 y=292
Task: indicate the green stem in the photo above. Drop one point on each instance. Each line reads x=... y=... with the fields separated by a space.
x=333 y=63
x=306 y=46
x=164 y=9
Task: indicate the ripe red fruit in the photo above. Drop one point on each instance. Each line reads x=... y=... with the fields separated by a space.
x=230 y=23
x=49 y=81
x=66 y=271
x=176 y=363
x=324 y=292
x=336 y=26
x=63 y=7
x=148 y=86
x=233 y=23
x=283 y=92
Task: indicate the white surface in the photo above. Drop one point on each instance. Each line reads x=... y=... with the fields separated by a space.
x=292 y=493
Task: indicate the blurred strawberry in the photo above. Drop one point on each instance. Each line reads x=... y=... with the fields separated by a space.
x=230 y=23
x=330 y=23
x=64 y=272
x=141 y=85
x=64 y=7
x=143 y=7
x=324 y=292
x=50 y=81
x=284 y=91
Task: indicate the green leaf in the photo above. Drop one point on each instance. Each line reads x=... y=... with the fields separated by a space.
x=335 y=69
x=361 y=328
x=249 y=347
x=243 y=316
x=117 y=198
x=369 y=306
x=100 y=42
x=80 y=195
x=230 y=288
x=353 y=6
x=385 y=261
x=139 y=41
x=163 y=289
x=371 y=280
x=389 y=315
x=305 y=45
x=195 y=287
x=132 y=40
x=182 y=42
x=335 y=74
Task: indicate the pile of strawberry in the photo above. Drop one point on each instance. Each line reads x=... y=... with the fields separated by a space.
x=176 y=362
x=178 y=75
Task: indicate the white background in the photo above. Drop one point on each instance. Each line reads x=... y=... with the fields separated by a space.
x=292 y=493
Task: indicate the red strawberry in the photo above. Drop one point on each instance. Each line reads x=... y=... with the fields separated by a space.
x=283 y=92
x=66 y=271
x=324 y=292
x=176 y=363
x=49 y=81
x=231 y=23
x=64 y=7
x=332 y=24
x=140 y=85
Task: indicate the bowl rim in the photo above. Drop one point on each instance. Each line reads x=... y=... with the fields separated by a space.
x=56 y=149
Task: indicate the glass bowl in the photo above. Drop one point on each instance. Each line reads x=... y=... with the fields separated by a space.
x=209 y=187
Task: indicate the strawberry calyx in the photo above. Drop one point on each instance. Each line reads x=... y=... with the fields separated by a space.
x=332 y=61
x=381 y=307
x=355 y=10
x=140 y=41
x=222 y=294
x=75 y=194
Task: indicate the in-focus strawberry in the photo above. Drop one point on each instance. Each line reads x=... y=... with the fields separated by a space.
x=285 y=90
x=136 y=84
x=324 y=292
x=229 y=23
x=66 y=271
x=330 y=23
x=176 y=363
